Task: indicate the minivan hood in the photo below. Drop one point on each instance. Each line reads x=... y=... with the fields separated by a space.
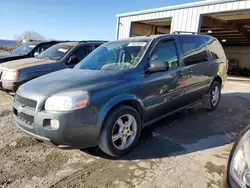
x=69 y=79
x=23 y=63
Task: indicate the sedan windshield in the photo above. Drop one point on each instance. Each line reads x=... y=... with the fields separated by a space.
x=55 y=52
x=117 y=55
x=24 y=48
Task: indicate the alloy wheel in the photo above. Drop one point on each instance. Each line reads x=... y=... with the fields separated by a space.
x=215 y=95
x=124 y=132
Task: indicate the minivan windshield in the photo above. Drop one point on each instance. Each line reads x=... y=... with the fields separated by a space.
x=55 y=52
x=116 y=55
x=24 y=48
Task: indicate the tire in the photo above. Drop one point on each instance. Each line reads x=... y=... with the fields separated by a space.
x=111 y=130
x=208 y=99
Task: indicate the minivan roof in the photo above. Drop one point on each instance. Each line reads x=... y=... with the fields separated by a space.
x=162 y=35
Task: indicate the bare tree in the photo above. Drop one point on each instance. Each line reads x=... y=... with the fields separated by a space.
x=19 y=39
x=29 y=35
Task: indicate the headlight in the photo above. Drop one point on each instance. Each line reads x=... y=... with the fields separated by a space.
x=240 y=163
x=67 y=101
x=10 y=75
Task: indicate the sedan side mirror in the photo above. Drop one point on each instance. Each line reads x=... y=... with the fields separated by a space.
x=73 y=60
x=158 y=66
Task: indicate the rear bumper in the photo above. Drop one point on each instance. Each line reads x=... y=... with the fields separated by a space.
x=224 y=78
x=77 y=129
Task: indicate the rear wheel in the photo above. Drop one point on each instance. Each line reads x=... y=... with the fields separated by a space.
x=121 y=131
x=212 y=99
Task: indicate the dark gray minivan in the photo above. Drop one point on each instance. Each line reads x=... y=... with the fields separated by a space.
x=121 y=87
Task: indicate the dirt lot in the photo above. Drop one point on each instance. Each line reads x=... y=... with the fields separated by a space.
x=188 y=149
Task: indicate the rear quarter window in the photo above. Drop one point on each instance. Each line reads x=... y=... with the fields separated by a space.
x=194 y=49
x=215 y=48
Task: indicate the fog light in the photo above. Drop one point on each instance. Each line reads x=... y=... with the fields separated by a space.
x=54 y=123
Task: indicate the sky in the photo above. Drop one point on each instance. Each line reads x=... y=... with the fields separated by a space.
x=70 y=19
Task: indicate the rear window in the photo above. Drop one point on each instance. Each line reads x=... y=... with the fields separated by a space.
x=194 y=49
x=215 y=48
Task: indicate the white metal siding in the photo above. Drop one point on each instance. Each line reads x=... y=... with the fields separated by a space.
x=185 y=19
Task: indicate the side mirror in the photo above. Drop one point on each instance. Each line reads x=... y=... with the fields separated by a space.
x=73 y=60
x=158 y=66
x=36 y=54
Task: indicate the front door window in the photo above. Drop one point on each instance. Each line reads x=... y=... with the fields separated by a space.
x=166 y=51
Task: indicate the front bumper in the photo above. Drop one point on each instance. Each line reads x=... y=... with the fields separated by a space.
x=77 y=129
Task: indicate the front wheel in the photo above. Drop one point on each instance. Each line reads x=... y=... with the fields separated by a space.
x=120 y=132
x=212 y=98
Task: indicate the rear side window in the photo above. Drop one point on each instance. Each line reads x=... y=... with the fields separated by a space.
x=194 y=49
x=215 y=48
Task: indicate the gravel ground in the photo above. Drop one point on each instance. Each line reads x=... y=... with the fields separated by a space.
x=188 y=149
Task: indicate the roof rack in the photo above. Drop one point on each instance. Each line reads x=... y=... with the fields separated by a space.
x=188 y=32
x=32 y=40
x=61 y=41
x=52 y=41
x=84 y=41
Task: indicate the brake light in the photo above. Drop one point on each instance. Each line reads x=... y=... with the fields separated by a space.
x=227 y=65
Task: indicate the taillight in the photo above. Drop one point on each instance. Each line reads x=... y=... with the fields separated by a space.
x=227 y=65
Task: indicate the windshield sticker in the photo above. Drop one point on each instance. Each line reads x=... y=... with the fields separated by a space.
x=62 y=50
x=32 y=46
x=137 y=44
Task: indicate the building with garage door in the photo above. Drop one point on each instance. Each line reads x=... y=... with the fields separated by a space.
x=227 y=20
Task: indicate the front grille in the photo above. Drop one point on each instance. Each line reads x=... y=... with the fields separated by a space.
x=26 y=102
x=24 y=117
